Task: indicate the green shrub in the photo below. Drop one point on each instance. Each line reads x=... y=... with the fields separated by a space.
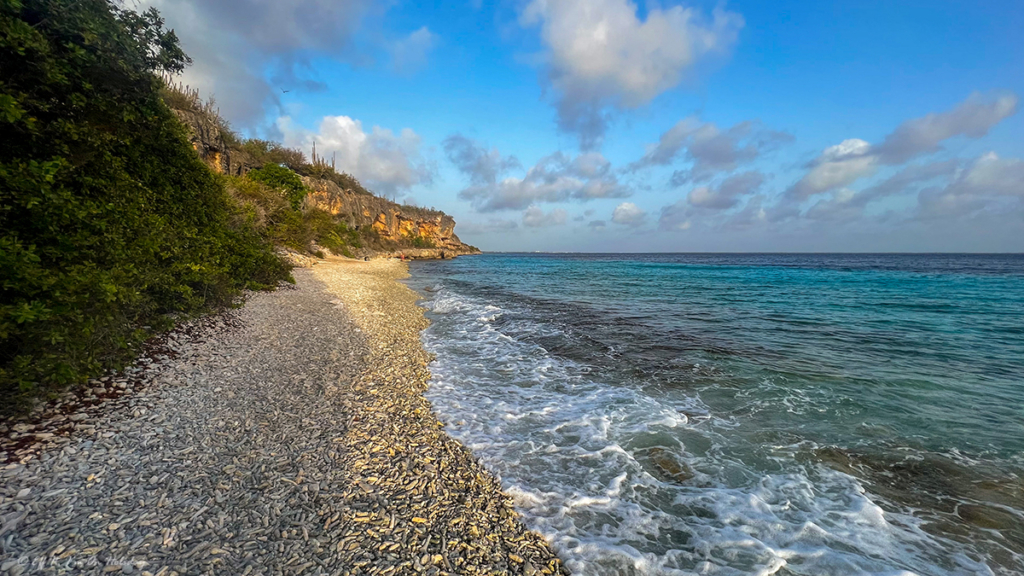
x=265 y=152
x=339 y=239
x=282 y=178
x=267 y=210
x=109 y=221
x=421 y=242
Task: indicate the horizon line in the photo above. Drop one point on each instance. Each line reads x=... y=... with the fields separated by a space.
x=763 y=253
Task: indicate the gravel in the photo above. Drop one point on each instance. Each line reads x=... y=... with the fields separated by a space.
x=289 y=436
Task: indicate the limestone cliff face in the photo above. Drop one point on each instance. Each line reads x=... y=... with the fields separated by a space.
x=405 y=230
x=208 y=141
x=419 y=232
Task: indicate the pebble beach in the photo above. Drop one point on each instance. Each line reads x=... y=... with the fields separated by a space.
x=288 y=436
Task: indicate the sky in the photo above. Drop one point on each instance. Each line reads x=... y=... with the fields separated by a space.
x=616 y=126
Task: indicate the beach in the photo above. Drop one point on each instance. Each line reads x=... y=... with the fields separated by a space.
x=288 y=436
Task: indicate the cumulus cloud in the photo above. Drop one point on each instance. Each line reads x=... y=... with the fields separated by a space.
x=534 y=217
x=852 y=159
x=972 y=118
x=629 y=214
x=602 y=55
x=235 y=42
x=596 y=225
x=838 y=165
x=385 y=162
x=752 y=214
x=483 y=166
x=989 y=182
x=727 y=194
x=992 y=175
x=675 y=216
x=555 y=178
x=704 y=202
x=492 y=225
x=410 y=54
x=710 y=149
x=846 y=205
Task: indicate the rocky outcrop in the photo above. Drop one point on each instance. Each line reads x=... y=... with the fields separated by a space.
x=417 y=232
x=406 y=231
x=208 y=140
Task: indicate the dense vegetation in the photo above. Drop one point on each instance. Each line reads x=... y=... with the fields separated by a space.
x=271 y=201
x=272 y=194
x=278 y=177
x=259 y=152
x=109 y=222
x=111 y=226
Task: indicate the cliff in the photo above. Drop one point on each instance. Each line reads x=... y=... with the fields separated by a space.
x=409 y=230
x=207 y=139
x=402 y=230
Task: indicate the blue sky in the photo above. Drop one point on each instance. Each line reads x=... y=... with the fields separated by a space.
x=607 y=125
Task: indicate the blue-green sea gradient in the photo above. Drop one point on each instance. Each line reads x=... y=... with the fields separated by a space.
x=743 y=414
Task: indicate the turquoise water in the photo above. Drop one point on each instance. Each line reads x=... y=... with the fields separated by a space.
x=743 y=414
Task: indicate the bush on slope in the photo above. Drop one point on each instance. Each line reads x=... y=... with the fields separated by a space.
x=109 y=222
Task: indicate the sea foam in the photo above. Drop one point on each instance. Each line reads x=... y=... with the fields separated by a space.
x=627 y=476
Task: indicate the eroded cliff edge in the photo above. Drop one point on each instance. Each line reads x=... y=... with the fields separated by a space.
x=408 y=231
x=417 y=232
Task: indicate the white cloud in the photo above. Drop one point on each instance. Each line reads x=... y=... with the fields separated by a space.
x=989 y=182
x=676 y=216
x=491 y=226
x=838 y=165
x=847 y=162
x=972 y=118
x=555 y=178
x=842 y=206
x=707 y=204
x=383 y=161
x=728 y=193
x=602 y=55
x=234 y=44
x=534 y=217
x=846 y=205
x=711 y=149
x=409 y=54
x=753 y=214
x=629 y=214
x=483 y=166
x=993 y=176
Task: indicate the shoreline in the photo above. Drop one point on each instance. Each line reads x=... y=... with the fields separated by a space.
x=293 y=437
x=398 y=359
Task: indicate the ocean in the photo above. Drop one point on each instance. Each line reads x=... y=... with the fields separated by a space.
x=737 y=414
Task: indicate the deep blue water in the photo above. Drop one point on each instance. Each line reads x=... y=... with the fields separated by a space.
x=743 y=414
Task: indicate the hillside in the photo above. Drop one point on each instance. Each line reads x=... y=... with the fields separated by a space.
x=113 y=229
x=383 y=228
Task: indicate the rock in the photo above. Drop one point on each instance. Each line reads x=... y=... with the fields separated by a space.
x=420 y=232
